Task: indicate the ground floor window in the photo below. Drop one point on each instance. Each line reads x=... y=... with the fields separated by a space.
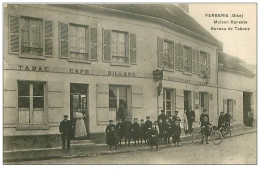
x=168 y=101
x=31 y=102
x=118 y=96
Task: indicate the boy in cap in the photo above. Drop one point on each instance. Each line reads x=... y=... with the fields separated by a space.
x=65 y=129
x=167 y=130
x=128 y=131
x=176 y=132
x=111 y=134
x=143 y=134
x=153 y=137
x=136 y=131
x=120 y=130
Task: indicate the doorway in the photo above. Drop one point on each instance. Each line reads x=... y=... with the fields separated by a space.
x=246 y=105
x=187 y=100
x=79 y=100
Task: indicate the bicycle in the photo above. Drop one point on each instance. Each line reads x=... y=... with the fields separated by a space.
x=215 y=135
x=225 y=130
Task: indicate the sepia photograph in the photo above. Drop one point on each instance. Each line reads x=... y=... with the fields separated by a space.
x=129 y=83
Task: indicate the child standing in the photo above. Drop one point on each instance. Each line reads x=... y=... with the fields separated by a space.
x=143 y=132
x=176 y=133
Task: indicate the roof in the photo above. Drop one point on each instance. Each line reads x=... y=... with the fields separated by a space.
x=231 y=63
x=169 y=12
x=166 y=14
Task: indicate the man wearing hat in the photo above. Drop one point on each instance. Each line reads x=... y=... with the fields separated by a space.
x=136 y=131
x=204 y=114
x=65 y=129
x=162 y=116
x=148 y=126
x=111 y=135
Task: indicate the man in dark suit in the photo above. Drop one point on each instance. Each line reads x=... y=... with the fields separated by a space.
x=65 y=129
x=128 y=131
x=162 y=116
x=120 y=130
x=136 y=131
x=190 y=117
x=121 y=113
x=204 y=114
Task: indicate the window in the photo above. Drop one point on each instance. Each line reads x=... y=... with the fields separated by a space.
x=168 y=101
x=119 y=47
x=187 y=59
x=203 y=63
x=78 y=42
x=118 y=95
x=165 y=53
x=30 y=37
x=168 y=54
x=31 y=103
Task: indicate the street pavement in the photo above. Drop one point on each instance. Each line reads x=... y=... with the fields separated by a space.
x=235 y=150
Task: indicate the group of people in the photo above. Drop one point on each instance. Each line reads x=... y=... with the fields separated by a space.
x=151 y=133
x=72 y=129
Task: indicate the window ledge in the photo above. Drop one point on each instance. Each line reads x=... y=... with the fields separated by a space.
x=119 y=64
x=29 y=127
x=187 y=73
x=79 y=61
x=32 y=56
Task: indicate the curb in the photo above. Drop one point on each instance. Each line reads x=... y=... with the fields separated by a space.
x=102 y=153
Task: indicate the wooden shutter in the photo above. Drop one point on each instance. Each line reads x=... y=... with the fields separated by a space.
x=177 y=55
x=14 y=34
x=160 y=51
x=197 y=61
x=64 y=40
x=127 y=48
x=210 y=96
x=48 y=34
x=102 y=103
x=137 y=96
x=208 y=64
x=234 y=111
x=181 y=57
x=106 y=45
x=93 y=43
x=132 y=48
x=171 y=56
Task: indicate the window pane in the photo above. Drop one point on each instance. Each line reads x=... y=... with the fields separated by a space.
x=38 y=102
x=168 y=95
x=23 y=89
x=168 y=105
x=122 y=92
x=38 y=89
x=119 y=47
x=112 y=103
x=23 y=102
x=112 y=92
x=123 y=102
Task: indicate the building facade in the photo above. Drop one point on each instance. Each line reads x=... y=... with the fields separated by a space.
x=60 y=58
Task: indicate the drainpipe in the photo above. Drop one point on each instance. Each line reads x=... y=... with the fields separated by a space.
x=217 y=84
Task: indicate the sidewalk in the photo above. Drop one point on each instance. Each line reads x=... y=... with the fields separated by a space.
x=93 y=149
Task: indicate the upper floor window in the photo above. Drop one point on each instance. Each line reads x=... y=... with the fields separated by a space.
x=165 y=53
x=119 y=47
x=187 y=59
x=30 y=37
x=78 y=42
x=204 y=63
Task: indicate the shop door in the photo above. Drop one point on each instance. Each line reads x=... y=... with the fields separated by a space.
x=79 y=100
x=246 y=105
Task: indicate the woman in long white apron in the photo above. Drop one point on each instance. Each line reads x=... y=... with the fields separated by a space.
x=80 y=128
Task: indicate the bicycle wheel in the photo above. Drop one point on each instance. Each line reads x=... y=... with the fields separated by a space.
x=222 y=131
x=196 y=138
x=216 y=137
